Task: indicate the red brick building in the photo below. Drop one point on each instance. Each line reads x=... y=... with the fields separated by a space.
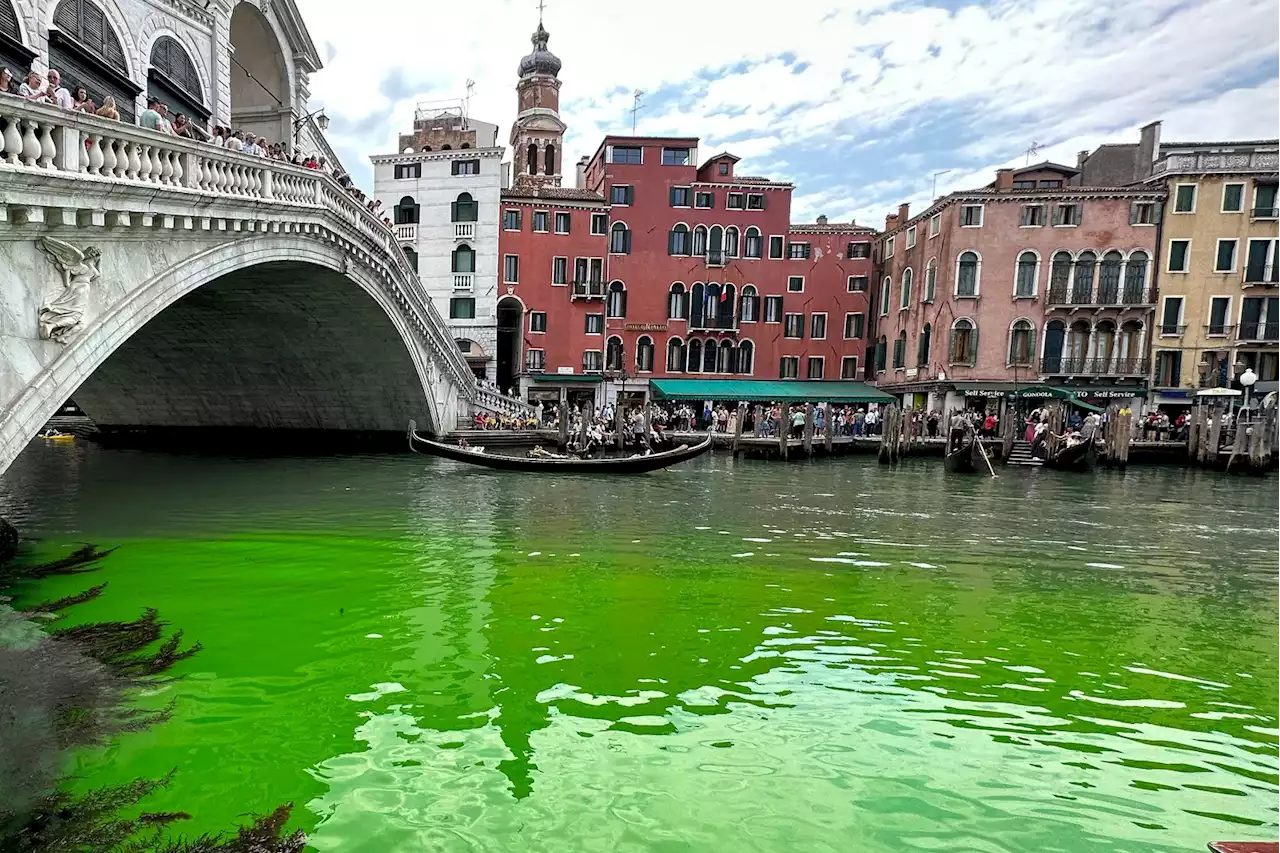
x=1027 y=281
x=657 y=265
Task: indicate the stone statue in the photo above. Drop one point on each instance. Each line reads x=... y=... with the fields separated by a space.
x=63 y=309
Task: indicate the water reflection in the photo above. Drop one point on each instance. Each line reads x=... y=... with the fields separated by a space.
x=724 y=657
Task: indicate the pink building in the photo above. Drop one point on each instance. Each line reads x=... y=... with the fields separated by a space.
x=1029 y=281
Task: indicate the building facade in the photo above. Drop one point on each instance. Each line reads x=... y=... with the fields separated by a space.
x=442 y=192
x=1219 y=311
x=245 y=64
x=1030 y=281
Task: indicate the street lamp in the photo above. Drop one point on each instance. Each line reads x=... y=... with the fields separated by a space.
x=322 y=121
x=1247 y=379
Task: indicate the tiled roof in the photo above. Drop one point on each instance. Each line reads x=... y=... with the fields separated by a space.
x=722 y=155
x=752 y=179
x=832 y=227
x=553 y=193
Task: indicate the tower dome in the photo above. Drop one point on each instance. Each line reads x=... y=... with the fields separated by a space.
x=541 y=60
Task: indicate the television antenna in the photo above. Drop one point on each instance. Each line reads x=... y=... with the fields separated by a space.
x=636 y=107
x=1032 y=150
x=936 y=175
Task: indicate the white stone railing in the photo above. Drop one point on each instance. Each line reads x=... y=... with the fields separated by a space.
x=408 y=233
x=1265 y=160
x=36 y=138
x=496 y=401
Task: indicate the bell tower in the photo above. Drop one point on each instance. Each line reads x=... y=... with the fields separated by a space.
x=537 y=137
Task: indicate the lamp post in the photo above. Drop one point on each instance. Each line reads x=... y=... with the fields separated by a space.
x=1247 y=379
x=322 y=121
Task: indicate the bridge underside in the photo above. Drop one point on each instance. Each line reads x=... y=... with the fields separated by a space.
x=276 y=346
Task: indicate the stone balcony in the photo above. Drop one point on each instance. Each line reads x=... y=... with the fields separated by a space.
x=1198 y=162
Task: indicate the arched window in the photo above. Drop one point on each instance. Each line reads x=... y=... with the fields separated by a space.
x=532 y=157
x=715 y=245
x=1077 y=346
x=1129 y=352
x=411 y=257
x=173 y=79
x=675 y=356
x=924 y=345
x=746 y=357
x=464 y=209
x=620 y=239
x=711 y=309
x=549 y=160
x=678 y=240
x=931 y=280
x=1055 y=333
x=749 y=305
x=426 y=148
x=724 y=311
x=886 y=288
x=753 y=246
x=1135 y=279
x=967 y=279
x=1109 y=278
x=907 y=276
x=697 y=307
x=616 y=304
x=725 y=361
x=695 y=356
x=1104 y=346
x=677 y=303
x=465 y=145
x=644 y=354
x=446 y=147
x=1082 y=282
x=613 y=354
x=464 y=259
x=406 y=212
x=699 y=239
x=709 y=351
x=900 y=351
x=1059 y=278
x=964 y=342
x=1022 y=343
x=1024 y=285
x=83 y=21
x=731 y=242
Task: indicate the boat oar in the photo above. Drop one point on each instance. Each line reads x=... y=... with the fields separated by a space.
x=983 y=451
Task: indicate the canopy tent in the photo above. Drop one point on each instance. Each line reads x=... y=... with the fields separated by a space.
x=767 y=391
x=1060 y=393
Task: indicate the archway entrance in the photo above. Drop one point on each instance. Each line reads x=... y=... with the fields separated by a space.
x=261 y=98
x=510 y=323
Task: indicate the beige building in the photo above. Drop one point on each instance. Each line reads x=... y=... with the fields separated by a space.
x=1219 y=312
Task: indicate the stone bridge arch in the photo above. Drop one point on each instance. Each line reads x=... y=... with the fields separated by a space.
x=201 y=309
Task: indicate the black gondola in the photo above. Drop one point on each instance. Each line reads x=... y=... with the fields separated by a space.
x=966 y=459
x=614 y=465
x=1082 y=456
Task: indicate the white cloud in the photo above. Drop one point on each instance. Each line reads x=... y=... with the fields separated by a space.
x=966 y=89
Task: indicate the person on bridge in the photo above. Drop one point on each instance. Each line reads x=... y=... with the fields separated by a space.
x=108 y=109
x=6 y=82
x=34 y=89
x=58 y=94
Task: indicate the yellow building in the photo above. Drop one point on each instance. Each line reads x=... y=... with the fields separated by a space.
x=1219 y=312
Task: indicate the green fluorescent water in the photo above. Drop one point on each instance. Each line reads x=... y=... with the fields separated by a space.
x=720 y=657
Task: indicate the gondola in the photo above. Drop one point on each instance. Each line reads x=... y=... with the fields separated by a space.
x=1082 y=456
x=966 y=459
x=614 y=465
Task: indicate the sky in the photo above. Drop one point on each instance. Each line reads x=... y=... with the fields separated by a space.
x=857 y=102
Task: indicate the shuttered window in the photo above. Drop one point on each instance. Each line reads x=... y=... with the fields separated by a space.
x=87 y=24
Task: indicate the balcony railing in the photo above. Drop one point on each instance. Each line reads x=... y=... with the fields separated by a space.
x=715 y=257
x=1262 y=273
x=1259 y=332
x=1168 y=330
x=1104 y=294
x=464 y=231
x=1195 y=162
x=463 y=281
x=1072 y=366
x=1218 y=330
x=408 y=233
x=588 y=290
x=1266 y=213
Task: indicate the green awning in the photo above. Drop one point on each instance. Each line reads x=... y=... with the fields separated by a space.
x=562 y=378
x=1033 y=391
x=768 y=391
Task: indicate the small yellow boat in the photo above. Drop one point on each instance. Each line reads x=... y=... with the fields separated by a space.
x=61 y=437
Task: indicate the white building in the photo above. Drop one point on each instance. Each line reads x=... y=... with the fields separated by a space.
x=443 y=194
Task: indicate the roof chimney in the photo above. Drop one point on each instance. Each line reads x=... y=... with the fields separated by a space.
x=890 y=221
x=904 y=212
x=1082 y=158
x=1148 y=151
x=822 y=220
x=580 y=179
x=1004 y=179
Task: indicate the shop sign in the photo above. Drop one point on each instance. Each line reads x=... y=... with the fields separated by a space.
x=984 y=392
x=644 y=327
x=564 y=371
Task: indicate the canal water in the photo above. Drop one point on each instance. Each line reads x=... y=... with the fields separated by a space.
x=725 y=656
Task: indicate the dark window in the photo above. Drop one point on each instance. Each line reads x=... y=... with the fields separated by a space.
x=170 y=59
x=795 y=284
x=86 y=23
x=549 y=160
x=967 y=275
x=511 y=269
x=464 y=259
x=672 y=156
x=1179 y=250
x=613 y=354
x=849 y=367
x=1051 y=185
x=644 y=354
x=775 y=247
x=411 y=256
x=853 y=326
x=971 y=216
x=1140 y=213
x=1171 y=315
x=620 y=239
x=735 y=201
x=1168 y=368
x=532 y=159
x=1219 y=310
x=626 y=155
x=540 y=220
x=559 y=270
x=595 y=324
x=465 y=208
x=755 y=201
x=535 y=360
x=724 y=169
x=592 y=361
x=1024 y=185
x=1032 y=215
x=622 y=194
x=462 y=308
x=1233 y=198
x=408 y=170
x=679 y=196
x=1184 y=199
x=678 y=240
x=537 y=321
x=816 y=366
x=793 y=326
x=753 y=246
x=1226 y=260
x=900 y=351
x=749 y=309
x=406 y=212
x=788 y=367
x=858 y=250
x=562 y=223
x=616 y=304
x=858 y=283
x=797 y=251
x=466 y=167
x=818 y=326
x=1067 y=214
x=599 y=223
x=511 y=220
x=773 y=309
x=706 y=201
